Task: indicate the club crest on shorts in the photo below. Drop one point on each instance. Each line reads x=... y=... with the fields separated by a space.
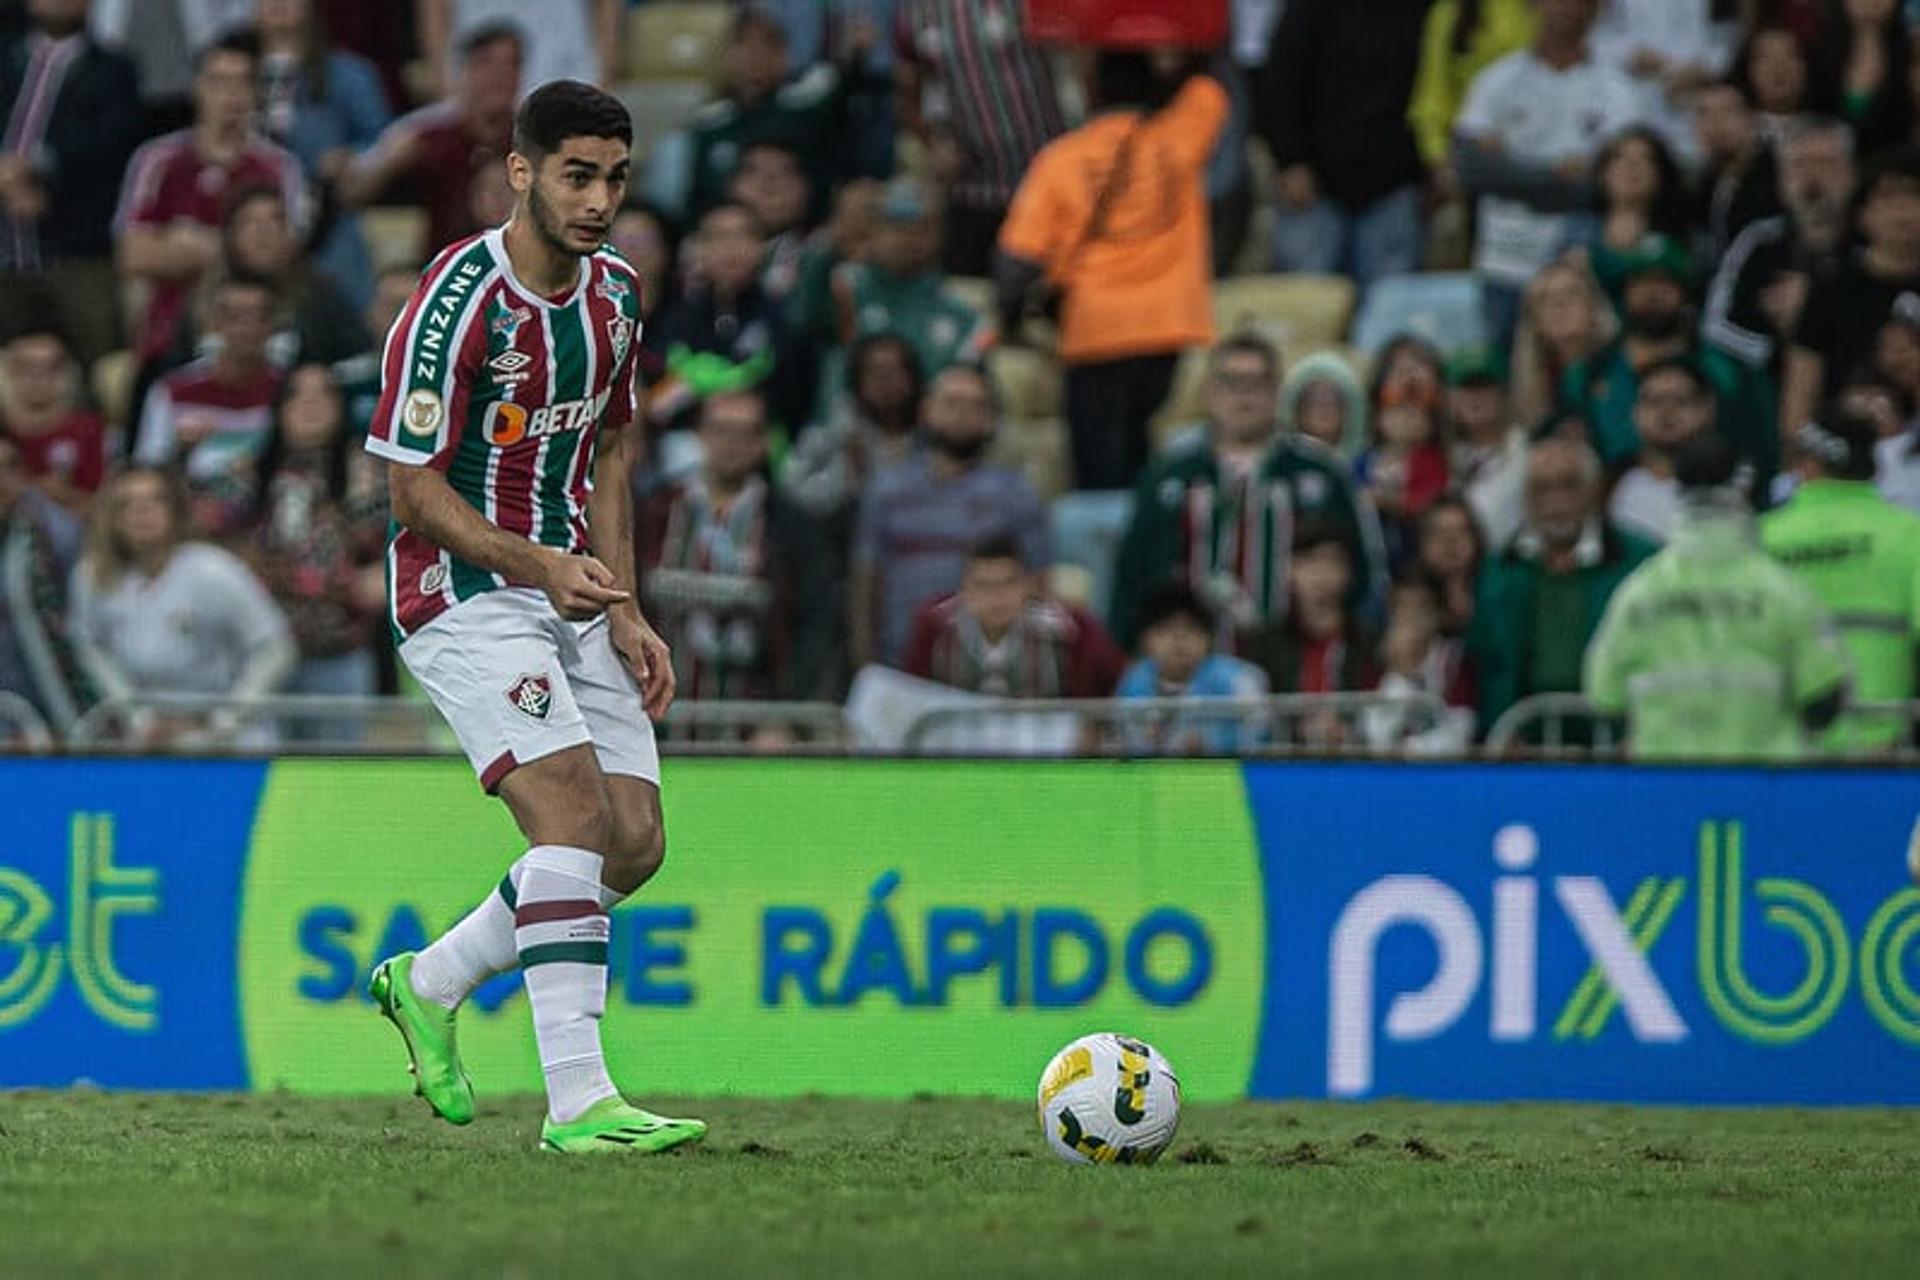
x=531 y=695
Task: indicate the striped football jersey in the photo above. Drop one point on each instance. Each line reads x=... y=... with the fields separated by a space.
x=505 y=392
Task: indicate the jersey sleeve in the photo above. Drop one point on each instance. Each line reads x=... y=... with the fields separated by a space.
x=428 y=366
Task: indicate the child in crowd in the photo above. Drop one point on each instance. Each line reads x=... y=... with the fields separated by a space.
x=1322 y=401
x=1405 y=469
x=1323 y=646
x=1178 y=661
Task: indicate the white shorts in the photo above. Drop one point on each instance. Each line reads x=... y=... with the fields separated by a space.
x=516 y=682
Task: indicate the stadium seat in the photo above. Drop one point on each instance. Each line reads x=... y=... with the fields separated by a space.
x=1029 y=382
x=1294 y=311
x=1086 y=529
x=396 y=234
x=676 y=41
x=1444 y=308
x=1038 y=450
x=1072 y=583
x=112 y=381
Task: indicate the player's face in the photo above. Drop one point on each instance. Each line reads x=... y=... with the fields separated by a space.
x=574 y=194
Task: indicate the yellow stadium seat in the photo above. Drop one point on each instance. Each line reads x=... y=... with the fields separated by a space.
x=396 y=235
x=112 y=380
x=976 y=291
x=1029 y=382
x=1294 y=311
x=1038 y=450
x=1072 y=583
x=668 y=41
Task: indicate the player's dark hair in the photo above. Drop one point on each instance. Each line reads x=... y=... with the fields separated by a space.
x=562 y=109
x=243 y=43
x=1173 y=600
x=999 y=546
x=490 y=33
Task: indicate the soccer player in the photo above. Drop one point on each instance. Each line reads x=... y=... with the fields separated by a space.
x=506 y=414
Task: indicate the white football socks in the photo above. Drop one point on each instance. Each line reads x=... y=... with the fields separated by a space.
x=479 y=946
x=560 y=928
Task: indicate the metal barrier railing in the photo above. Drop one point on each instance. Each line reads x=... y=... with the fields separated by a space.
x=1567 y=726
x=21 y=724
x=326 y=725
x=1342 y=723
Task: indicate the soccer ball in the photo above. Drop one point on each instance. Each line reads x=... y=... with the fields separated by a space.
x=1109 y=1099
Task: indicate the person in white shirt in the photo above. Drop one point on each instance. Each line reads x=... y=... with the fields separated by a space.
x=1676 y=403
x=1897 y=473
x=1525 y=144
x=1487 y=452
x=564 y=39
x=1670 y=48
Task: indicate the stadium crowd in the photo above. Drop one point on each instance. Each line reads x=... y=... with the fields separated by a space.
x=1355 y=355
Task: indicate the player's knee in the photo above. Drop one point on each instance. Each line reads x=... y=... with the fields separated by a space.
x=635 y=857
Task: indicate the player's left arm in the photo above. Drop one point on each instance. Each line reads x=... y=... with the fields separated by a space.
x=610 y=528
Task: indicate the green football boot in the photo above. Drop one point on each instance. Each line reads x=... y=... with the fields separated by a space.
x=615 y=1125
x=432 y=1049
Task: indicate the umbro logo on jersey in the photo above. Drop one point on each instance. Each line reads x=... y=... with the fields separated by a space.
x=531 y=695
x=509 y=368
x=509 y=424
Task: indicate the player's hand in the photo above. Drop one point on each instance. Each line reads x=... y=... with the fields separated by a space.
x=648 y=657
x=580 y=587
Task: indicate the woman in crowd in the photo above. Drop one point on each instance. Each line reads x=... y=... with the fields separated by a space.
x=1773 y=69
x=1322 y=400
x=1642 y=192
x=831 y=464
x=319 y=531
x=153 y=614
x=1450 y=550
x=1405 y=466
x=1564 y=319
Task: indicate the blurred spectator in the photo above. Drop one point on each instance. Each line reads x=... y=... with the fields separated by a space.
x=1461 y=39
x=1404 y=468
x=1452 y=547
x=1860 y=555
x=1001 y=635
x=918 y=520
x=980 y=98
x=1898 y=472
x=1177 y=660
x=1539 y=601
x=1772 y=67
x=1486 y=450
x=1525 y=143
x=490 y=194
x=214 y=417
x=1738 y=182
x=832 y=463
x=726 y=314
x=1761 y=287
x=1641 y=194
x=1845 y=313
x=156 y=614
x=650 y=242
x=1218 y=511
x=1419 y=655
x=771 y=180
x=564 y=39
x=1322 y=646
x=313 y=322
x=428 y=157
x=1565 y=320
x=757 y=101
x=1332 y=106
x=1670 y=48
x=360 y=375
x=382 y=33
x=59 y=444
x=1860 y=70
x=319 y=537
x=164 y=38
x=1711 y=650
x=174 y=200
x=1322 y=401
x=39 y=543
x=70 y=119
x=846 y=238
x=1113 y=217
x=325 y=105
x=736 y=574
x=900 y=288
x=1675 y=404
x=1659 y=325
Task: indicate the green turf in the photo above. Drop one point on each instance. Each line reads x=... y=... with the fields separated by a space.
x=151 y=1186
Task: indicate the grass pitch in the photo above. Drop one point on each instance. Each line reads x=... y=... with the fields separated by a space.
x=151 y=1186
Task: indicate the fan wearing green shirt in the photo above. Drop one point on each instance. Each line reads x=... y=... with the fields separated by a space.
x=1712 y=650
x=1861 y=555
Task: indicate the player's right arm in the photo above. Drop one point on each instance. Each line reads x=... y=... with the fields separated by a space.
x=432 y=356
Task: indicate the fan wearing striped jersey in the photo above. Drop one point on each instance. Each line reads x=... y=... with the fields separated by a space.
x=506 y=418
